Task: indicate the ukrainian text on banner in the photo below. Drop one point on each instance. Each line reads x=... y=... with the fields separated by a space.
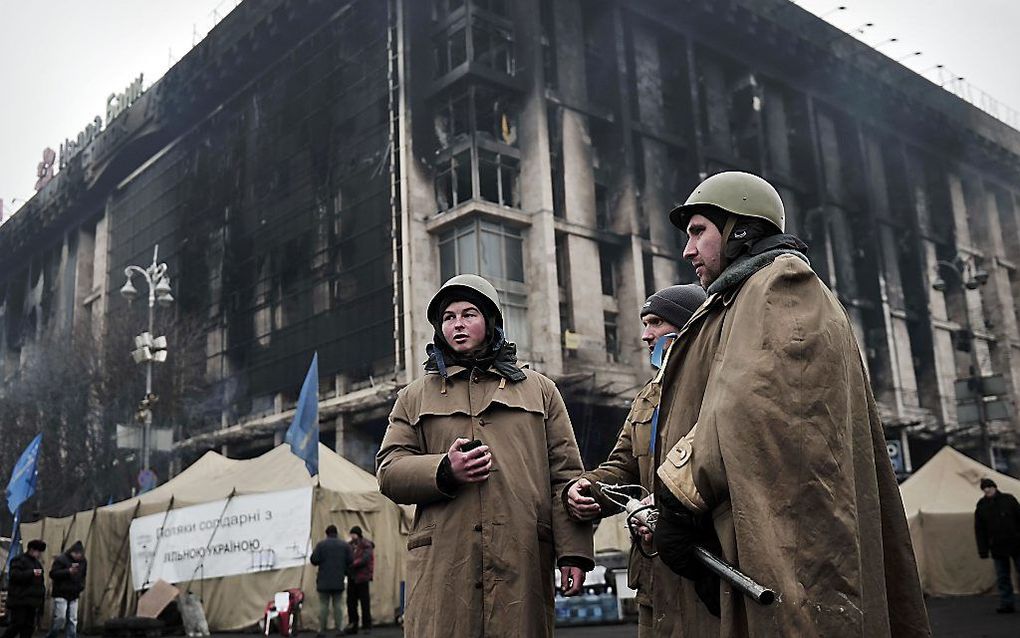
x=252 y=533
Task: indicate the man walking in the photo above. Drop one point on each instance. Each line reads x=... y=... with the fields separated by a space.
x=68 y=577
x=358 y=579
x=27 y=591
x=333 y=557
x=997 y=528
x=771 y=445
x=630 y=462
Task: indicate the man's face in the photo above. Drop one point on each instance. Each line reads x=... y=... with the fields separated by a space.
x=655 y=327
x=34 y=553
x=704 y=249
x=989 y=491
x=76 y=555
x=463 y=326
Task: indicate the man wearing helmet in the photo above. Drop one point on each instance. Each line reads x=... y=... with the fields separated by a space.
x=483 y=448
x=771 y=445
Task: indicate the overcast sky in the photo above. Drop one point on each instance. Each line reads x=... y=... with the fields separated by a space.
x=62 y=58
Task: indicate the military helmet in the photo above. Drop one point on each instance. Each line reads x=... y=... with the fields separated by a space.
x=476 y=289
x=734 y=192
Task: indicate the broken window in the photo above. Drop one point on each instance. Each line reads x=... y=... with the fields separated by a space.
x=498 y=178
x=451 y=50
x=612 y=334
x=493 y=46
x=607 y=268
x=453 y=181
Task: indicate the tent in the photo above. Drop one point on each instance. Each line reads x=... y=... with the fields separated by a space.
x=342 y=494
x=939 y=500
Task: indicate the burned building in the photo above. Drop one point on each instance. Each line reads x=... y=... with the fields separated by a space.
x=313 y=170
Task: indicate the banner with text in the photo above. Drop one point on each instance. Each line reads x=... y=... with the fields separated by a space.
x=251 y=533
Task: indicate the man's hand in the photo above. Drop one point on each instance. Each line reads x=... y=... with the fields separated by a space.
x=37 y=572
x=571 y=580
x=472 y=466
x=640 y=530
x=580 y=505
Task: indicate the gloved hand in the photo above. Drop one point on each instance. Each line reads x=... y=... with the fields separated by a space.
x=677 y=532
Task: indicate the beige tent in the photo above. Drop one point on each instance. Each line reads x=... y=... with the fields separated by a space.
x=343 y=494
x=939 y=500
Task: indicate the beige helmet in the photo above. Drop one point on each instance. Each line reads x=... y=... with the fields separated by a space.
x=477 y=288
x=733 y=192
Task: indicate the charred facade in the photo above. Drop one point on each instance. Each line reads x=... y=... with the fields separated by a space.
x=313 y=170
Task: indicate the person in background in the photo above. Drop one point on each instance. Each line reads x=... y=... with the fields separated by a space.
x=333 y=557
x=27 y=591
x=997 y=528
x=358 y=579
x=68 y=577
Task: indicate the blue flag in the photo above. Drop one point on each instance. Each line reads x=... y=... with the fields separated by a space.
x=303 y=433
x=22 y=483
x=15 y=542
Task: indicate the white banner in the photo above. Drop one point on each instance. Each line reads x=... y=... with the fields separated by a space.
x=252 y=533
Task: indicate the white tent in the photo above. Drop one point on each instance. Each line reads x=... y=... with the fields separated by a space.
x=343 y=494
x=939 y=500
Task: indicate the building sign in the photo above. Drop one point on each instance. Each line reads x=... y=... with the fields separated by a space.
x=116 y=104
x=256 y=532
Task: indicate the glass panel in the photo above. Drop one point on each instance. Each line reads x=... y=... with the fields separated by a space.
x=467 y=253
x=462 y=172
x=491 y=257
x=447 y=259
x=444 y=190
x=514 y=257
x=515 y=319
x=510 y=192
x=488 y=176
x=459 y=109
x=458 y=49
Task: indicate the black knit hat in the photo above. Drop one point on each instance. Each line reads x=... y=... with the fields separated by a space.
x=356 y=530
x=987 y=482
x=675 y=304
x=36 y=545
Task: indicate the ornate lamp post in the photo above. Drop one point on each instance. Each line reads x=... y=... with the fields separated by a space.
x=148 y=349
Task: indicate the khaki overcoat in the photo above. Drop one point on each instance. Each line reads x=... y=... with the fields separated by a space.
x=632 y=462
x=481 y=560
x=769 y=425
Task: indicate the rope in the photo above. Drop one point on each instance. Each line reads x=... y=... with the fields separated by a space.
x=159 y=539
x=201 y=563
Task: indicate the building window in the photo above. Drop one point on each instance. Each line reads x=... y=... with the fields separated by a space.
x=486 y=112
x=496 y=252
x=451 y=50
x=453 y=181
x=443 y=8
x=497 y=178
x=612 y=337
x=608 y=270
x=477 y=40
x=493 y=46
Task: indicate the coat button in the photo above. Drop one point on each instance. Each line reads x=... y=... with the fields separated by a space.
x=478 y=527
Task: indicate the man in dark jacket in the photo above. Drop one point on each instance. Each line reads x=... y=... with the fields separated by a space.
x=358 y=579
x=27 y=591
x=333 y=557
x=68 y=576
x=997 y=528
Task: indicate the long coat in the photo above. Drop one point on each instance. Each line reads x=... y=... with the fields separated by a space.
x=770 y=427
x=481 y=560
x=632 y=462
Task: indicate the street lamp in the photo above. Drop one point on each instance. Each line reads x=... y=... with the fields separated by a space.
x=971 y=277
x=148 y=349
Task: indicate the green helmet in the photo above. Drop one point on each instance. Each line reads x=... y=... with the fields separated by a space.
x=733 y=192
x=476 y=289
